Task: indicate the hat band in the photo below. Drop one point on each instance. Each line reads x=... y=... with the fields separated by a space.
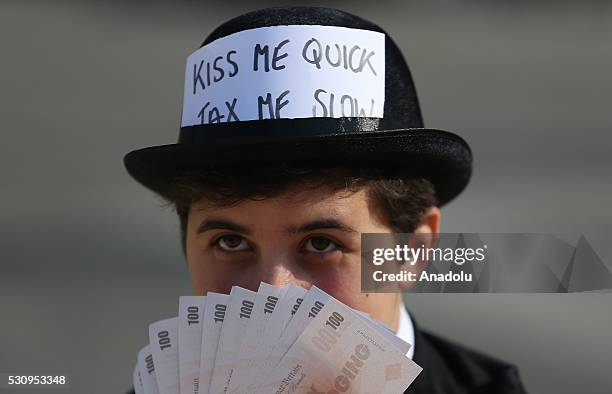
x=277 y=129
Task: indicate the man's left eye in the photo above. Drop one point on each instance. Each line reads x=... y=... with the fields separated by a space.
x=320 y=245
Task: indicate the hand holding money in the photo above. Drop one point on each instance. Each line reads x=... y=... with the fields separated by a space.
x=278 y=340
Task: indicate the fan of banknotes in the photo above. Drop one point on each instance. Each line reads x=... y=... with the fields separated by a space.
x=275 y=340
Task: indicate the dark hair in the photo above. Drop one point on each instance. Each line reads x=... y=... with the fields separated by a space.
x=398 y=199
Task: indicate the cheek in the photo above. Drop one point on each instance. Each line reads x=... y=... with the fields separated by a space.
x=208 y=275
x=343 y=283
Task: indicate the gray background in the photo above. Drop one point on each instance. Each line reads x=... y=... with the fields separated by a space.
x=89 y=257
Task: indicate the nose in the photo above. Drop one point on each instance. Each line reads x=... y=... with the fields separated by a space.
x=281 y=273
x=278 y=274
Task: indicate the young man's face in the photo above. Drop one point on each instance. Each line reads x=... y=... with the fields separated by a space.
x=305 y=237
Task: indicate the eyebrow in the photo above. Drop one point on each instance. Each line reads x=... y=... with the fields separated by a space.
x=216 y=224
x=322 y=224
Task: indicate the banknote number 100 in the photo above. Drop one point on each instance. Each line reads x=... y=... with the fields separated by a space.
x=298 y=302
x=164 y=340
x=220 y=313
x=334 y=320
x=328 y=334
x=149 y=364
x=192 y=315
x=314 y=311
x=247 y=308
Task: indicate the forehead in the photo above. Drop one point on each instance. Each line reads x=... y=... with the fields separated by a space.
x=291 y=208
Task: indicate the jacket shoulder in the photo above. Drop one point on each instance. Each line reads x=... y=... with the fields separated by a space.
x=452 y=368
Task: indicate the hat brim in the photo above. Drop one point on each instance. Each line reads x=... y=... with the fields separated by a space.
x=442 y=157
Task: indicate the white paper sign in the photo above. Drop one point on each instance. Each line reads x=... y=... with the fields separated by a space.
x=297 y=71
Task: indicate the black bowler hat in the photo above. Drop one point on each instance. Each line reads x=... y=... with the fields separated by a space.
x=307 y=84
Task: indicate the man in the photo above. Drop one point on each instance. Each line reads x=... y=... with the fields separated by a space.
x=301 y=130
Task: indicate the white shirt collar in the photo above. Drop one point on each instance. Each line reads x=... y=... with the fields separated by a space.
x=405 y=329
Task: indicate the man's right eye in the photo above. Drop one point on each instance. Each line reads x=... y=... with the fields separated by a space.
x=232 y=243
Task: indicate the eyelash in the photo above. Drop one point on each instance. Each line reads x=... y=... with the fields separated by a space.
x=219 y=247
x=338 y=245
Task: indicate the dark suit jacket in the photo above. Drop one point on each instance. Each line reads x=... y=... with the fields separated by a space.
x=449 y=368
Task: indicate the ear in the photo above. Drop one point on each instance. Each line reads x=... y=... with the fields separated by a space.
x=430 y=222
x=425 y=235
